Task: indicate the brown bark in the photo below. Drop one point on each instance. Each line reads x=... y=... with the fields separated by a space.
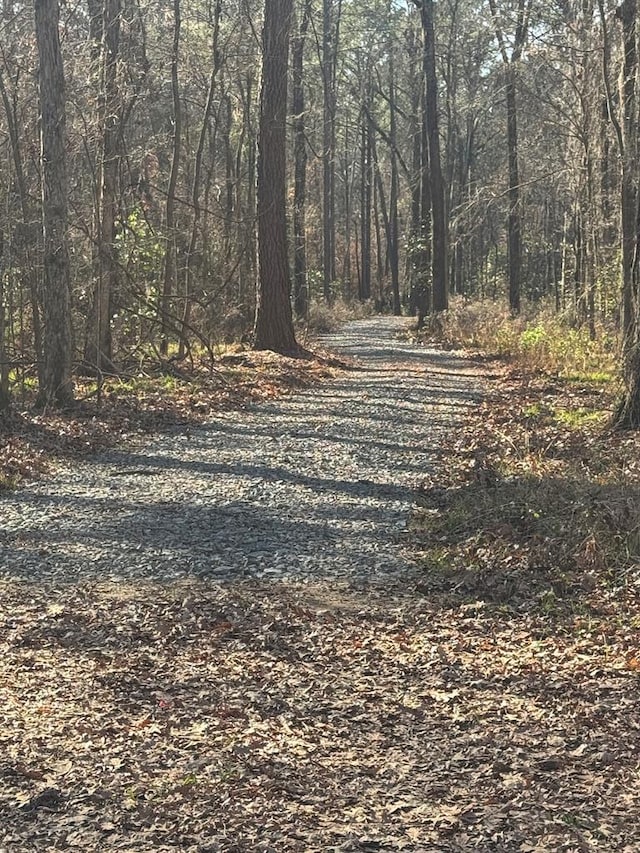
x=329 y=47
x=394 y=260
x=627 y=13
x=29 y=267
x=439 y=260
x=422 y=259
x=5 y=399
x=300 y=286
x=274 y=321
x=415 y=87
x=56 y=383
x=514 y=217
x=628 y=414
x=170 y=264
x=366 y=191
x=98 y=348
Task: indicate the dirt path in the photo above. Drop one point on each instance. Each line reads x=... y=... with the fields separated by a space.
x=314 y=485
x=160 y=707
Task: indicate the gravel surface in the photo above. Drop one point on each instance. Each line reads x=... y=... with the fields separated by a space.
x=315 y=485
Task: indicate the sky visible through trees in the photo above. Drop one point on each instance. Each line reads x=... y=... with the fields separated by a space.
x=484 y=149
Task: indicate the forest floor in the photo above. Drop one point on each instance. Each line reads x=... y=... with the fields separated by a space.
x=482 y=694
x=148 y=401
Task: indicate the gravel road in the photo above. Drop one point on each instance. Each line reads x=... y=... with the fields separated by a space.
x=314 y=485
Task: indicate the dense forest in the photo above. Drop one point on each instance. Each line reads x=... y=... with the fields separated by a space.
x=267 y=589
x=484 y=149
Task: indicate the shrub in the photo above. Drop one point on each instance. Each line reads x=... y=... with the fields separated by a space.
x=324 y=317
x=538 y=339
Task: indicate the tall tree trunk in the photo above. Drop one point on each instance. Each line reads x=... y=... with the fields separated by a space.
x=170 y=259
x=5 y=399
x=627 y=13
x=197 y=181
x=274 y=322
x=245 y=213
x=328 y=149
x=366 y=190
x=510 y=64
x=98 y=346
x=232 y=168
x=300 y=286
x=415 y=87
x=628 y=414
x=348 y=178
x=422 y=290
x=379 y=206
x=29 y=274
x=514 y=217
x=439 y=259
x=394 y=259
x=57 y=383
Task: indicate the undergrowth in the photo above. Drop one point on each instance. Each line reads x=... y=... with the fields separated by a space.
x=539 y=513
x=324 y=317
x=540 y=510
x=539 y=339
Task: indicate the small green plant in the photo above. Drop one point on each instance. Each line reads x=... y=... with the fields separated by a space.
x=532 y=338
x=539 y=339
x=579 y=418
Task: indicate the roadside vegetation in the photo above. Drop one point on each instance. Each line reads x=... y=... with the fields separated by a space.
x=534 y=529
x=540 y=506
x=160 y=393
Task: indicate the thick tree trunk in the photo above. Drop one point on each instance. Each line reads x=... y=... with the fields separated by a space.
x=628 y=413
x=300 y=286
x=56 y=384
x=274 y=321
x=439 y=259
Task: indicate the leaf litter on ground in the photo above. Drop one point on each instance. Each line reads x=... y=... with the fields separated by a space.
x=146 y=402
x=490 y=702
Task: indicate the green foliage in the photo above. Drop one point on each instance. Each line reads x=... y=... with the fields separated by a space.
x=539 y=339
x=8 y=482
x=141 y=250
x=577 y=418
x=17 y=379
x=532 y=338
